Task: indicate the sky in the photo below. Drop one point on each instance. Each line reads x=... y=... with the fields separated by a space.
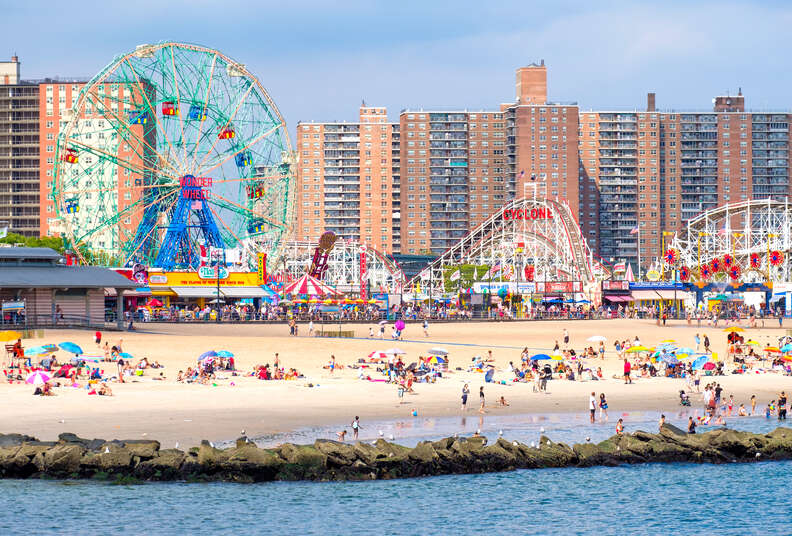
x=320 y=59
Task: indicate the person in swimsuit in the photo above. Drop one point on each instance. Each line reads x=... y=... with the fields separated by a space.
x=620 y=427
x=603 y=405
x=753 y=404
x=481 y=398
x=691 y=425
x=661 y=423
x=465 y=393
x=592 y=406
x=782 y=410
x=355 y=427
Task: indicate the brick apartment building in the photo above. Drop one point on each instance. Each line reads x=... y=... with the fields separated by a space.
x=618 y=170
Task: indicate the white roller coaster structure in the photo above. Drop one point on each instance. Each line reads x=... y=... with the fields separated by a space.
x=536 y=232
x=343 y=266
x=747 y=231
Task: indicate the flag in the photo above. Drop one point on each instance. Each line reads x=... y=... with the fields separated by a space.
x=493 y=271
x=635 y=230
x=455 y=276
x=475 y=273
x=620 y=266
x=424 y=275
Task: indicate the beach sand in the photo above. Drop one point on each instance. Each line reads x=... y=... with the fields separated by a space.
x=187 y=413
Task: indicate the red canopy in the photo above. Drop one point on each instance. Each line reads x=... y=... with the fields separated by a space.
x=310 y=286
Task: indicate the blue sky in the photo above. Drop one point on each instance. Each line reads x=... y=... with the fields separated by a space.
x=318 y=59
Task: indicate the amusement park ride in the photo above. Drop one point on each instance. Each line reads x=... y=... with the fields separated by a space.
x=170 y=148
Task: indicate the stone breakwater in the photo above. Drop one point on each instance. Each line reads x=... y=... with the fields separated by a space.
x=72 y=457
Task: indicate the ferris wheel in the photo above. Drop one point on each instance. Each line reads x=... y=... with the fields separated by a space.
x=173 y=152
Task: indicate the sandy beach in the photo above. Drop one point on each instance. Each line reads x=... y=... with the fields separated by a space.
x=186 y=413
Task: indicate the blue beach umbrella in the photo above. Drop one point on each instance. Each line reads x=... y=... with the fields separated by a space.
x=786 y=348
x=671 y=360
x=70 y=347
x=540 y=357
x=688 y=351
x=699 y=362
x=125 y=355
x=224 y=353
x=206 y=355
x=40 y=350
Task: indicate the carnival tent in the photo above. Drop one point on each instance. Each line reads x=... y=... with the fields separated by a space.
x=309 y=286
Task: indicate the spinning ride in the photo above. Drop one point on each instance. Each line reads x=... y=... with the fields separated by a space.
x=172 y=152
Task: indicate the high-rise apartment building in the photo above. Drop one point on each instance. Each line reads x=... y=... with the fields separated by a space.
x=347 y=180
x=19 y=151
x=630 y=177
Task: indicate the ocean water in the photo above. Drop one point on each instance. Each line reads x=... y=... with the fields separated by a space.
x=648 y=499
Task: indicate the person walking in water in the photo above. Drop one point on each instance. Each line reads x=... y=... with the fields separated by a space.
x=603 y=405
x=627 y=368
x=465 y=393
x=355 y=427
x=481 y=398
x=592 y=406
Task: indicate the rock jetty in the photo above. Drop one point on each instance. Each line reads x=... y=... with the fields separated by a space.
x=72 y=457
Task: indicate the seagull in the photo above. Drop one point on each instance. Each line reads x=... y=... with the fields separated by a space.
x=514 y=443
x=541 y=429
x=500 y=432
x=62 y=421
x=381 y=433
x=243 y=432
x=588 y=439
x=758 y=454
x=107 y=450
x=478 y=431
x=391 y=437
x=211 y=444
x=177 y=445
x=145 y=434
x=533 y=444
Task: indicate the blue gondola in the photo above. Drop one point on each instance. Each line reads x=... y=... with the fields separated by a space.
x=243 y=159
x=72 y=206
x=196 y=113
x=256 y=228
x=138 y=118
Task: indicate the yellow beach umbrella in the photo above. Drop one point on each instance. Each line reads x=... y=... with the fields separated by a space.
x=753 y=343
x=732 y=330
x=557 y=357
x=771 y=349
x=634 y=349
x=10 y=335
x=668 y=340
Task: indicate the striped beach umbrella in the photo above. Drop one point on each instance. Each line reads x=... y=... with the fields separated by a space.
x=38 y=378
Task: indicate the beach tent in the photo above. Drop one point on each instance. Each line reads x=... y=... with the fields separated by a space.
x=309 y=286
x=597 y=338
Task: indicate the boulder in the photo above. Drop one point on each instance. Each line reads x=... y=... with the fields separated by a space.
x=338 y=454
x=110 y=458
x=555 y=454
x=60 y=460
x=14 y=440
x=669 y=430
x=145 y=449
x=166 y=465
x=302 y=461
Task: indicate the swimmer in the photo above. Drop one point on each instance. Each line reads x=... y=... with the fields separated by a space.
x=620 y=427
x=502 y=401
x=741 y=412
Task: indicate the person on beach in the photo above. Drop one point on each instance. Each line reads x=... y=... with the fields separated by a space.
x=603 y=405
x=741 y=412
x=98 y=338
x=426 y=327
x=782 y=411
x=465 y=393
x=706 y=344
x=342 y=434
x=481 y=398
x=627 y=367
x=121 y=365
x=753 y=404
x=602 y=350
x=697 y=340
x=661 y=423
x=371 y=332
x=691 y=426
x=592 y=406
x=382 y=331
x=566 y=338
x=620 y=427
x=355 y=427
x=310 y=329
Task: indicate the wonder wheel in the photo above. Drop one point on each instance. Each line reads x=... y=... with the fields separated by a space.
x=174 y=152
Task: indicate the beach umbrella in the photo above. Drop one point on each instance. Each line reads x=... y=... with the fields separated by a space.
x=206 y=355
x=438 y=351
x=6 y=336
x=154 y=302
x=709 y=366
x=40 y=350
x=38 y=378
x=540 y=357
x=685 y=350
x=379 y=355
x=786 y=348
x=310 y=286
x=382 y=322
x=71 y=348
x=224 y=353
x=634 y=349
x=597 y=338
x=399 y=325
x=668 y=340
x=753 y=343
x=557 y=357
x=771 y=349
x=395 y=351
x=436 y=359
x=700 y=361
x=668 y=358
x=733 y=329
x=126 y=355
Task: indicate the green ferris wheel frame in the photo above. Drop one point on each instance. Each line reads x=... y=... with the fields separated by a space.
x=171 y=150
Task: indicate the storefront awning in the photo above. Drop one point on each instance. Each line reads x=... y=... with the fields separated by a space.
x=244 y=292
x=619 y=298
x=197 y=292
x=140 y=292
x=659 y=295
